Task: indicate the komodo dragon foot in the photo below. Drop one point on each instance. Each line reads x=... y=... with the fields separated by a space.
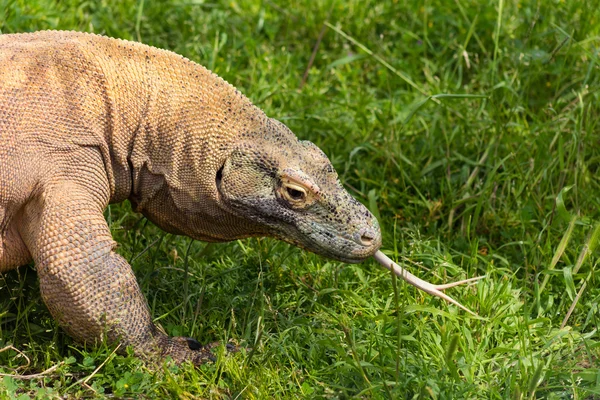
x=179 y=349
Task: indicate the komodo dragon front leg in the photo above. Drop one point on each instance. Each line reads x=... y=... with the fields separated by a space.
x=87 y=287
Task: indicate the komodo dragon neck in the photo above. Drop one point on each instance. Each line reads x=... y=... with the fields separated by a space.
x=172 y=121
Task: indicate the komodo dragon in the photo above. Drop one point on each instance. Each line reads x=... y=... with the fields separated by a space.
x=87 y=120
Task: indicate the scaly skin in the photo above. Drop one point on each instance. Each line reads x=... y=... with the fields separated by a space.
x=87 y=120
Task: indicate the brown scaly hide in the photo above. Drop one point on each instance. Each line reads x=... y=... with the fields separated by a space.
x=87 y=120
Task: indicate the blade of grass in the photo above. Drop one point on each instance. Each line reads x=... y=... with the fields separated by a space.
x=559 y=251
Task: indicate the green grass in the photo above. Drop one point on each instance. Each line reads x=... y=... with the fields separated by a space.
x=504 y=185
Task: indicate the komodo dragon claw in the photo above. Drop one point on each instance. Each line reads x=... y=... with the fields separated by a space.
x=435 y=290
x=201 y=353
x=192 y=343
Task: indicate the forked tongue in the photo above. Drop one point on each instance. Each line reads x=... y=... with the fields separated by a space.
x=425 y=286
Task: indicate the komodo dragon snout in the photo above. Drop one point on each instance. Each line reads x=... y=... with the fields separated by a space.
x=293 y=190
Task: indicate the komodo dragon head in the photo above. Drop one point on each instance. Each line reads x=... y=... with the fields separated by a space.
x=290 y=186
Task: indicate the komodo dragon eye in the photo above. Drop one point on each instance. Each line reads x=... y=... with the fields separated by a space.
x=296 y=192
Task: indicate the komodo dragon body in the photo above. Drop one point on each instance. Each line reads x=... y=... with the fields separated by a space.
x=87 y=120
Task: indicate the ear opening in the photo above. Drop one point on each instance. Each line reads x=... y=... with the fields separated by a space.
x=219 y=176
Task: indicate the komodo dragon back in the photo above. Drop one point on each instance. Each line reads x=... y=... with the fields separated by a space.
x=87 y=120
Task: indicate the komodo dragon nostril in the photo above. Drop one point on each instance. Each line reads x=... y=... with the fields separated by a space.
x=365 y=237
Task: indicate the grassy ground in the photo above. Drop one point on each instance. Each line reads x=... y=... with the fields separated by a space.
x=504 y=185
